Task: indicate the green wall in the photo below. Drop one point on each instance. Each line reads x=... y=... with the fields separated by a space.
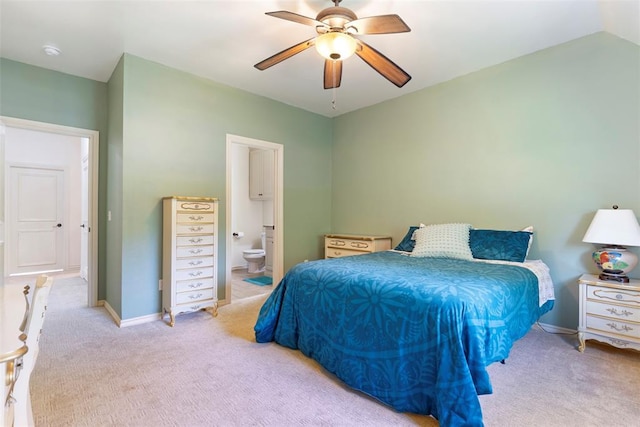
x=174 y=128
x=33 y=93
x=527 y=142
x=114 y=186
x=542 y=140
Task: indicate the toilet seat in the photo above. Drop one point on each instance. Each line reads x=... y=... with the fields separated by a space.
x=253 y=253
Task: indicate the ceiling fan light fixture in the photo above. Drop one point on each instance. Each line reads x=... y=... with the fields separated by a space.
x=335 y=45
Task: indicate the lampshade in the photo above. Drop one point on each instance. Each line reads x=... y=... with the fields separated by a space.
x=614 y=227
x=335 y=45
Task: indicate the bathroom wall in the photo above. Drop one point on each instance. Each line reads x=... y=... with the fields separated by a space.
x=248 y=216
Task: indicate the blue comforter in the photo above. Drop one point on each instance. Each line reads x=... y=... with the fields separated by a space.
x=415 y=333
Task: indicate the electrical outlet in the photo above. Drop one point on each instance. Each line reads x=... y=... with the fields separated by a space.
x=160 y=284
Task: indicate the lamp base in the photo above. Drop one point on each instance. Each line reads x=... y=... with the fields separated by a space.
x=614 y=277
x=614 y=263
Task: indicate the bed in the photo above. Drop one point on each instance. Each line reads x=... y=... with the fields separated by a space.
x=414 y=332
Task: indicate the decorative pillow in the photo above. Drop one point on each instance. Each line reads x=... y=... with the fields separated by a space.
x=443 y=241
x=408 y=242
x=499 y=244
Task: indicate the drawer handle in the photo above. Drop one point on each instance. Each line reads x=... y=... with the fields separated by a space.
x=195 y=251
x=612 y=310
x=195 y=285
x=198 y=240
x=196 y=274
x=359 y=245
x=336 y=253
x=337 y=243
x=191 y=206
x=195 y=228
x=623 y=328
x=195 y=296
x=194 y=307
x=196 y=218
x=194 y=263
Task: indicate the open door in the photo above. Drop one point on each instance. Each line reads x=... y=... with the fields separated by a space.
x=277 y=241
x=90 y=143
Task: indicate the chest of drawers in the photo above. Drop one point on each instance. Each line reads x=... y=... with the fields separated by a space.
x=340 y=245
x=189 y=255
x=609 y=312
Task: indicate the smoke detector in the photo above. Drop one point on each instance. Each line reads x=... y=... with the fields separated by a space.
x=51 y=50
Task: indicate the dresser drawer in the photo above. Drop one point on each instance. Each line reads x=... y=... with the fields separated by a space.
x=339 y=253
x=185 y=205
x=356 y=245
x=194 y=262
x=195 y=273
x=194 y=240
x=195 y=306
x=618 y=296
x=194 y=217
x=194 y=229
x=614 y=326
x=194 y=296
x=193 y=251
x=617 y=312
x=194 y=285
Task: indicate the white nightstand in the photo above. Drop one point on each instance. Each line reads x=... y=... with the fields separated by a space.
x=341 y=245
x=609 y=312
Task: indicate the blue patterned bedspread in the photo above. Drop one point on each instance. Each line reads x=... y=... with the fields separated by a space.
x=415 y=333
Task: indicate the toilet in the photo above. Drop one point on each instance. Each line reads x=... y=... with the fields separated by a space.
x=255 y=257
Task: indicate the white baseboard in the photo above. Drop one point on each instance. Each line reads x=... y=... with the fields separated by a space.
x=129 y=322
x=556 y=329
x=111 y=312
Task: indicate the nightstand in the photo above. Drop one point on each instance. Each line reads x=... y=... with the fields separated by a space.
x=609 y=312
x=340 y=245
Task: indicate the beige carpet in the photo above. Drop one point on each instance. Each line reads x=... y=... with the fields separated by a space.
x=210 y=372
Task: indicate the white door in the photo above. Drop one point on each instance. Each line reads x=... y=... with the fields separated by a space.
x=35 y=241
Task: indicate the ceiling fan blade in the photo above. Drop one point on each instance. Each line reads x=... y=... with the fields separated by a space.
x=300 y=19
x=382 y=64
x=287 y=53
x=332 y=73
x=383 y=24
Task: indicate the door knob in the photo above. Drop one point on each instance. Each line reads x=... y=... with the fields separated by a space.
x=58 y=225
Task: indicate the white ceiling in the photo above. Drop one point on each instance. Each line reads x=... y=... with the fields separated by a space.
x=222 y=40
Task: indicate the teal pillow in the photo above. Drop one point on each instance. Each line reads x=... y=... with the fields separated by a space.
x=499 y=245
x=407 y=244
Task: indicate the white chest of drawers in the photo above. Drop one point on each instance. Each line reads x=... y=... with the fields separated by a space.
x=609 y=312
x=189 y=255
x=341 y=245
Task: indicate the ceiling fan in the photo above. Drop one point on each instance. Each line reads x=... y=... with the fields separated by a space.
x=336 y=27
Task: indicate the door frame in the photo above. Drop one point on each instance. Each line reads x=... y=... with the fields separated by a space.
x=278 y=204
x=94 y=149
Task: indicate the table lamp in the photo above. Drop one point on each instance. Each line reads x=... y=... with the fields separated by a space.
x=614 y=229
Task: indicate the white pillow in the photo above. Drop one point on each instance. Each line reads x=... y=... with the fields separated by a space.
x=528 y=229
x=443 y=241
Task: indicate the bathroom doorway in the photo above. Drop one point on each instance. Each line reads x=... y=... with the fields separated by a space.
x=250 y=214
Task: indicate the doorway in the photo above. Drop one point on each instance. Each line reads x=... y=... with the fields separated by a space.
x=235 y=142
x=67 y=172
